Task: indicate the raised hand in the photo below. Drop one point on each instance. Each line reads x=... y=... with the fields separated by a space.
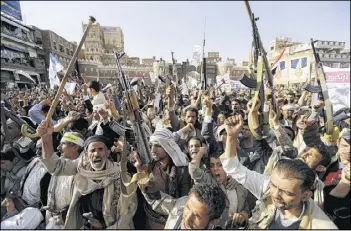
x=273 y=117
x=233 y=125
x=188 y=128
x=110 y=105
x=45 y=129
x=135 y=160
x=318 y=106
x=73 y=116
x=255 y=106
x=169 y=92
x=95 y=223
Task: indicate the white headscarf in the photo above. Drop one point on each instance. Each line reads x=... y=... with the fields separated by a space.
x=164 y=137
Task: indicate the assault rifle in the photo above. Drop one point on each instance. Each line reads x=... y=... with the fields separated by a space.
x=131 y=101
x=260 y=67
x=328 y=106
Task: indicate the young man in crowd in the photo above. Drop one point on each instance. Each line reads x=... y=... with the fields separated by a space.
x=284 y=197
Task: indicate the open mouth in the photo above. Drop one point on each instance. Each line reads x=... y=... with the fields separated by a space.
x=218 y=177
x=97 y=161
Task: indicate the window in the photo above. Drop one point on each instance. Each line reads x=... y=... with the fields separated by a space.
x=91 y=69
x=62 y=49
x=67 y=51
x=55 y=48
x=345 y=65
x=336 y=65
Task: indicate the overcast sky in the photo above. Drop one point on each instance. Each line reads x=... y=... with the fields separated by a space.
x=157 y=28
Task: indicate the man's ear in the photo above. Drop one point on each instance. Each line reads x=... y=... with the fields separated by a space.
x=321 y=168
x=306 y=196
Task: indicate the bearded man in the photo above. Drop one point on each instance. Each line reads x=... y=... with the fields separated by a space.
x=97 y=200
x=169 y=173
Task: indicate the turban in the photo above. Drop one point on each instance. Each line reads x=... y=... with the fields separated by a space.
x=97 y=138
x=164 y=137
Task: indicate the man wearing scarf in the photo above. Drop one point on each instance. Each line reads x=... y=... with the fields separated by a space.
x=98 y=199
x=169 y=173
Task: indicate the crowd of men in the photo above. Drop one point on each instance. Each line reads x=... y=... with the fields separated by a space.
x=208 y=169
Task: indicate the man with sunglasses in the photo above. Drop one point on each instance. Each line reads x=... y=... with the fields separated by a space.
x=284 y=197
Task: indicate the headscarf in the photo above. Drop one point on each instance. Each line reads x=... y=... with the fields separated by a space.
x=164 y=137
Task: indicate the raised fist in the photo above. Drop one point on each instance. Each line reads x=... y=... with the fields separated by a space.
x=318 y=106
x=45 y=129
x=233 y=125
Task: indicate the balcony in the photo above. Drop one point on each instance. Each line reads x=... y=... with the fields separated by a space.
x=334 y=57
x=19 y=35
x=329 y=45
x=22 y=64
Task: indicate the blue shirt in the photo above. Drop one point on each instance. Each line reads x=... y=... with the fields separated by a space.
x=34 y=114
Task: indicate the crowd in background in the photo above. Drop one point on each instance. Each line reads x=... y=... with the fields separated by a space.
x=211 y=167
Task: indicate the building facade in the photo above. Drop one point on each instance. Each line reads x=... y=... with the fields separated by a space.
x=148 y=61
x=133 y=61
x=99 y=58
x=108 y=73
x=213 y=58
x=22 y=55
x=102 y=42
x=297 y=64
x=57 y=46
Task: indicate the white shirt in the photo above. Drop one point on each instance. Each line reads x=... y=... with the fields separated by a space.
x=63 y=191
x=31 y=188
x=99 y=99
x=253 y=181
x=29 y=218
x=233 y=198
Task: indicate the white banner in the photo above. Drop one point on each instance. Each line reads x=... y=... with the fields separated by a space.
x=55 y=66
x=237 y=85
x=221 y=78
x=185 y=90
x=338 y=84
x=152 y=77
x=192 y=83
x=70 y=87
